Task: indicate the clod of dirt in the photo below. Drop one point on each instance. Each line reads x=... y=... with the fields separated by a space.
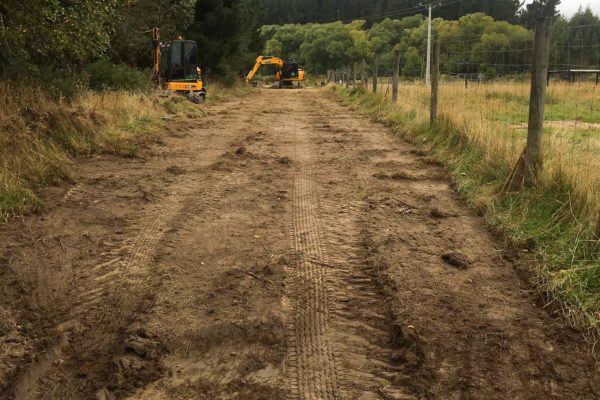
x=282 y=261
x=419 y=152
x=134 y=372
x=433 y=161
x=402 y=175
x=381 y=175
x=456 y=259
x=104 y=394
x=240 y=151
x=396 y=176
x=437 y=213
x=144 y=347
x=175 y=170
x=284 y=160
x=403 y=335
x=408 y=345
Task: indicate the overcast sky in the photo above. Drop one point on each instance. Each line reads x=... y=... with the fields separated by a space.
x=570 y=7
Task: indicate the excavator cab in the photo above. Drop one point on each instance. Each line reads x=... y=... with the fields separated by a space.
x=290 y=70
x=179 y=61
x=176 y=67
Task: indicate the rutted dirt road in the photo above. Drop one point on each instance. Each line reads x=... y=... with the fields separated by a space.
x=285 y=248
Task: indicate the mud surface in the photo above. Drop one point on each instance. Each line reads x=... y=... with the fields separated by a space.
x=279 y=250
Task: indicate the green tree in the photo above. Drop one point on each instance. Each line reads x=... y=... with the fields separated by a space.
x=326 y=46
x=54 y=33
x=538 y=8
x=284 y=40
x=228 y=36
x=132 y=39
x=380 y=42
x=581 y=47
x=414 y=65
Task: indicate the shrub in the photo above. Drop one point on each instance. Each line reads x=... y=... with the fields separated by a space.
x=103 y=75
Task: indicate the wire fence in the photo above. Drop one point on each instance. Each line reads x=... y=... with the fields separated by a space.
x=485 y=93
x=488 y=95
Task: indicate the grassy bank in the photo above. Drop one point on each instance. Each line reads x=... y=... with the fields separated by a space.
x=41 y=133
x=557 y=218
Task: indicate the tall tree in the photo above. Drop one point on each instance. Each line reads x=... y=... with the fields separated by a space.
x=54 y=32
x=131 y=41
x=304 y=11
x=537 y=9
x=227 y=34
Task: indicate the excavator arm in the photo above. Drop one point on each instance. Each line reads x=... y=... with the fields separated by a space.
x=156 y=56
x=264 y=60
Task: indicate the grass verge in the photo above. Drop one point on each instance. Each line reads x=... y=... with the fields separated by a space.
x=40 y=133
x=557 y=219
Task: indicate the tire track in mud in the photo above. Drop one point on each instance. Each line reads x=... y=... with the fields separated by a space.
x=339 y=334
x=311 y=362
x=113 y=282
x=110 y=275
x=138 y=251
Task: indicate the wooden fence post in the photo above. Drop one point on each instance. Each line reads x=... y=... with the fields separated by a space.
x=363 y=74
x=396 y=76
x=435 y=82
x=533 y=154
x=530 y=162
x=375 y=72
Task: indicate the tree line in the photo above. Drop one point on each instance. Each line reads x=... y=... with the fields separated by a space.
x=54 y=38
x=474 y=43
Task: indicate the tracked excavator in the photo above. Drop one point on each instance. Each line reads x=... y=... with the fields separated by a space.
x=286 y=72
x=176 y=67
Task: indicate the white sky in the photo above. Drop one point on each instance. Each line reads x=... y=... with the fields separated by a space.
x=570 y=7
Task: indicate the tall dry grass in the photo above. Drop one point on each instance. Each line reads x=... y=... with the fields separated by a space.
x=40 y=133
x=494 y=115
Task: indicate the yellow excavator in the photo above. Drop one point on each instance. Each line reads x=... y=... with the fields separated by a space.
x=286 y=73
x=176 y=67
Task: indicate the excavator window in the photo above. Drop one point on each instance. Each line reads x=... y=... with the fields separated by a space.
x=179 y=61
x=290 y=70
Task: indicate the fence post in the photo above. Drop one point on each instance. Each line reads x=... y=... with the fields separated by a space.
x=533 y=154
x=530 y=162
x=435 y=82
x=363 y=74
x=396 y=76
x=375 y=72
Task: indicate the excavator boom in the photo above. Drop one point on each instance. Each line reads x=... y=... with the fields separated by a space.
x=264 y=60
x=287 y=72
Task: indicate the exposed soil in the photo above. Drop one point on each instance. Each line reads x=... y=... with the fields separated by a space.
x=286 y=249
x=564 y=124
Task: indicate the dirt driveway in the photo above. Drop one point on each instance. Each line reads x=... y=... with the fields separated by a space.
x=284 y=248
